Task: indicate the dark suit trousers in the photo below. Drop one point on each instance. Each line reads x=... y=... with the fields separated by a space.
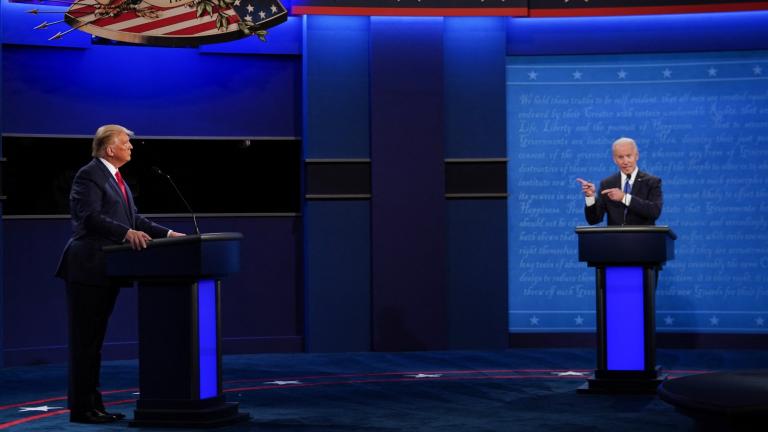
x=89 y=310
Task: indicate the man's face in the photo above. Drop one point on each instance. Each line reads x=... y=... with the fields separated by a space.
x=120 y=150
x=625 y=157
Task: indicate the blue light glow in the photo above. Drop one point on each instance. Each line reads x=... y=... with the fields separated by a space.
x=207 y=351
x=624 y=319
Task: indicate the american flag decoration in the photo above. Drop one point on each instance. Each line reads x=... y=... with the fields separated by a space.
x=171 y=22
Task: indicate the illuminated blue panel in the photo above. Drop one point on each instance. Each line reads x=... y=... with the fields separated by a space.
x=206 y=312
x=624 y=322
x=638 y=33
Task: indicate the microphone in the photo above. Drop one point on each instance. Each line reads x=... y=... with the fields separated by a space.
x=158 y=171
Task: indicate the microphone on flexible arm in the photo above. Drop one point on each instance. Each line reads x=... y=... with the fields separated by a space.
x=158 y=171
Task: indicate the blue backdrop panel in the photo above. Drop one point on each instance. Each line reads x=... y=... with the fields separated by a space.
x=336 y=87
x=154 y=91
x=337 y=276
x=639 y=34
x=474 y=72
x=699 y=120
x=260 y=305
x=408 y=221
x=477 y=275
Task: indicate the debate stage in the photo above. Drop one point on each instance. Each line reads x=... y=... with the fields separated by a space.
x=516 y=389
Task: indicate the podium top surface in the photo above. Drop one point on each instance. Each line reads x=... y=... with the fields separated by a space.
x=173 y=241
x=627 y=229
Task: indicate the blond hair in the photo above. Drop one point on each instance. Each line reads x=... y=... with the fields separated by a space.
x=105 y=136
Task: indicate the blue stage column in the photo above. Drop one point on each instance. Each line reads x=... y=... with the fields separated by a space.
x=475 y=133
x=408 y=217
x=337 y=276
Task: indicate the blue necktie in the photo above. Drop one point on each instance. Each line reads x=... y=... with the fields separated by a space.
x=627 y=189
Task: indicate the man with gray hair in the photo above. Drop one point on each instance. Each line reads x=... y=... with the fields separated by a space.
x=103 y=213
x=629 y=197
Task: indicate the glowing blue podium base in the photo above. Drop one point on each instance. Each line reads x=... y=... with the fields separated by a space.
x=180 y=327
x=627 y=261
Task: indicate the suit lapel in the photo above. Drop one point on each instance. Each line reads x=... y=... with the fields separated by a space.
x=115 y=188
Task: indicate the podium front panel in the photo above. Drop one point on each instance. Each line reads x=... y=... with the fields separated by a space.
x=624 y=316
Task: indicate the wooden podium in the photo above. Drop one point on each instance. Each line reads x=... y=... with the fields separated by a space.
x=627 y=261
x=180 y=327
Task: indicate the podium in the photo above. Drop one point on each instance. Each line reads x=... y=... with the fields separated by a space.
x=627 y=261
x=180 y=327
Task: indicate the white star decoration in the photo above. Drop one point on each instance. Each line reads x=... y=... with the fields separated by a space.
x=44 y=408
x=757 y=70
x=668 y=320
x=237 y=2
x=622 y=74
x=667 y=73
x=534 y=320
x=273 y=9
x=569 y=373
x=577 y=75
x=579 y=320
x=714 y=321
x=280 y=383
x=423 y=375
x=262 y=14
x=712 y=72
x=248 y=18
x=249 y=8
x=532 y=75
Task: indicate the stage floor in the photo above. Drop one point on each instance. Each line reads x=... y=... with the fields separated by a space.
x=513 y=390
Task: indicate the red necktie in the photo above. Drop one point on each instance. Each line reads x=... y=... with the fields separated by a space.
x=121 y=183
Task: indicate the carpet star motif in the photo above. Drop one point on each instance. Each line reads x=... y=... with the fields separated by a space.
x=714 y=321
x=712 y=72
x=757 y=70
x=577 y=75
x=622 y=74
x=668 y=320
x=667 y=73
x=44 y=408
x=569 y=373
x=280 y=383
x=579 y=320
x=534 y=320
x=532 y=75
x=423 y=375
x=759 y=321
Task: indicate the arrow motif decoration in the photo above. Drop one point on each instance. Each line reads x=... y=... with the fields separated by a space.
x=174 y=23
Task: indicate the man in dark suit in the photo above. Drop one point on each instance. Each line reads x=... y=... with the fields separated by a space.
x=629 y=197
x=103 y=213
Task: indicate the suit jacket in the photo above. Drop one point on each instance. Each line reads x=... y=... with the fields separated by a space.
x=100 y=217
x=644 y=208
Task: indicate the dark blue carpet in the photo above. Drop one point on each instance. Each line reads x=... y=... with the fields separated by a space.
x=512 y=390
